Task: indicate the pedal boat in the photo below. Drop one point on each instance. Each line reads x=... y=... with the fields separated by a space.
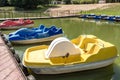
x=35 y=35
x=16 y=24
x=64 y=56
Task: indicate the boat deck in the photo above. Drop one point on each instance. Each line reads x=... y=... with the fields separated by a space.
x=9 y=69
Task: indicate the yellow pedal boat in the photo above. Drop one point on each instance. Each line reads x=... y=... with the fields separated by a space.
x=63 y=56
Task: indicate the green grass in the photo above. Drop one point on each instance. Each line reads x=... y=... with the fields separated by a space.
x=111 y=10
x=84 y=1
x=7 y=8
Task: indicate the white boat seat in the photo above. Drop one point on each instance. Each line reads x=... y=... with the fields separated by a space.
x=53 y=44
x=60 y=49
x=61 y=46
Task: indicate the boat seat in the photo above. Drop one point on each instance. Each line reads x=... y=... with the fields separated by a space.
x=62 y=51
x=53 y=44
x=83 y=43
x=41 y=27
x=94 y=49
x=77 y=40
x=88 y=47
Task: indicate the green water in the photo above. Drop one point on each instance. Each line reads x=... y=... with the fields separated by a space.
x=73 y=27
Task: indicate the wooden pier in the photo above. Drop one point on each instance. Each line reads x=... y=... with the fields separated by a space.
x=9 y=67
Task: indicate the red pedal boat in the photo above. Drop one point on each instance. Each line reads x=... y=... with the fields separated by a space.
x=16 y=24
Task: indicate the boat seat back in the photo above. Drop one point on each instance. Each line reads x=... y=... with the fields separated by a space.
x=76 y=41
x=95 y=49
x=53 y=44
x=41 y=27
x=61 y=46
x=62 y=51
x=84 y=42
x=88 y=47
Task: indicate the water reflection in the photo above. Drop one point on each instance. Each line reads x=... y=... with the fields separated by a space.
x=116 y=76
x=105 y=73
x=100 y=21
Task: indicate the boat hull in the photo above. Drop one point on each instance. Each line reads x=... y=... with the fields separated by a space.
x=37 y=40
x=73 y=68
x=17 y=27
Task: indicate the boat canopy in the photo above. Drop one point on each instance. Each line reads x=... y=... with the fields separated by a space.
x=62 y=47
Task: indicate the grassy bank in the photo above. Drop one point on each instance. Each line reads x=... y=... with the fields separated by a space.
x=12 y=12
x=112 y=9
x=109 y=10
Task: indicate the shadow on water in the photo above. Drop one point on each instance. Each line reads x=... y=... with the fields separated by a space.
x=105 y=73
x=116 y=76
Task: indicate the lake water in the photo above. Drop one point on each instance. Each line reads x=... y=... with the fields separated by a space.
x=73 y=27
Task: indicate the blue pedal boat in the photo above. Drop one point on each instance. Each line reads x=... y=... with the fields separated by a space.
x=91 y=16
x=83 y=16
x=35 y=35
x=103 y=16
x=117 y=18
x=110 y=18
x=100 y=16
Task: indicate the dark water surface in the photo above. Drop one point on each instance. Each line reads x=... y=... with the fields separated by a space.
x=73 y=27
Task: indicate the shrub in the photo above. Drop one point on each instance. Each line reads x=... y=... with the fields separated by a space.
x=26 y=4
x=67 y=1
x=76 y=1
x=3 y=3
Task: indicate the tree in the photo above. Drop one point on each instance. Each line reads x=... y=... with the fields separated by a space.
x=3 y=2
x=44 y=2
x=67 y=1
x=26 y=4
x=111 y=1
x=30 y=4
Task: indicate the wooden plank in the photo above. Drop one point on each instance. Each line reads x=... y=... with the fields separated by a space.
x=1 y=40
x=12 y=76
x=9 y=69
x=5 y=65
